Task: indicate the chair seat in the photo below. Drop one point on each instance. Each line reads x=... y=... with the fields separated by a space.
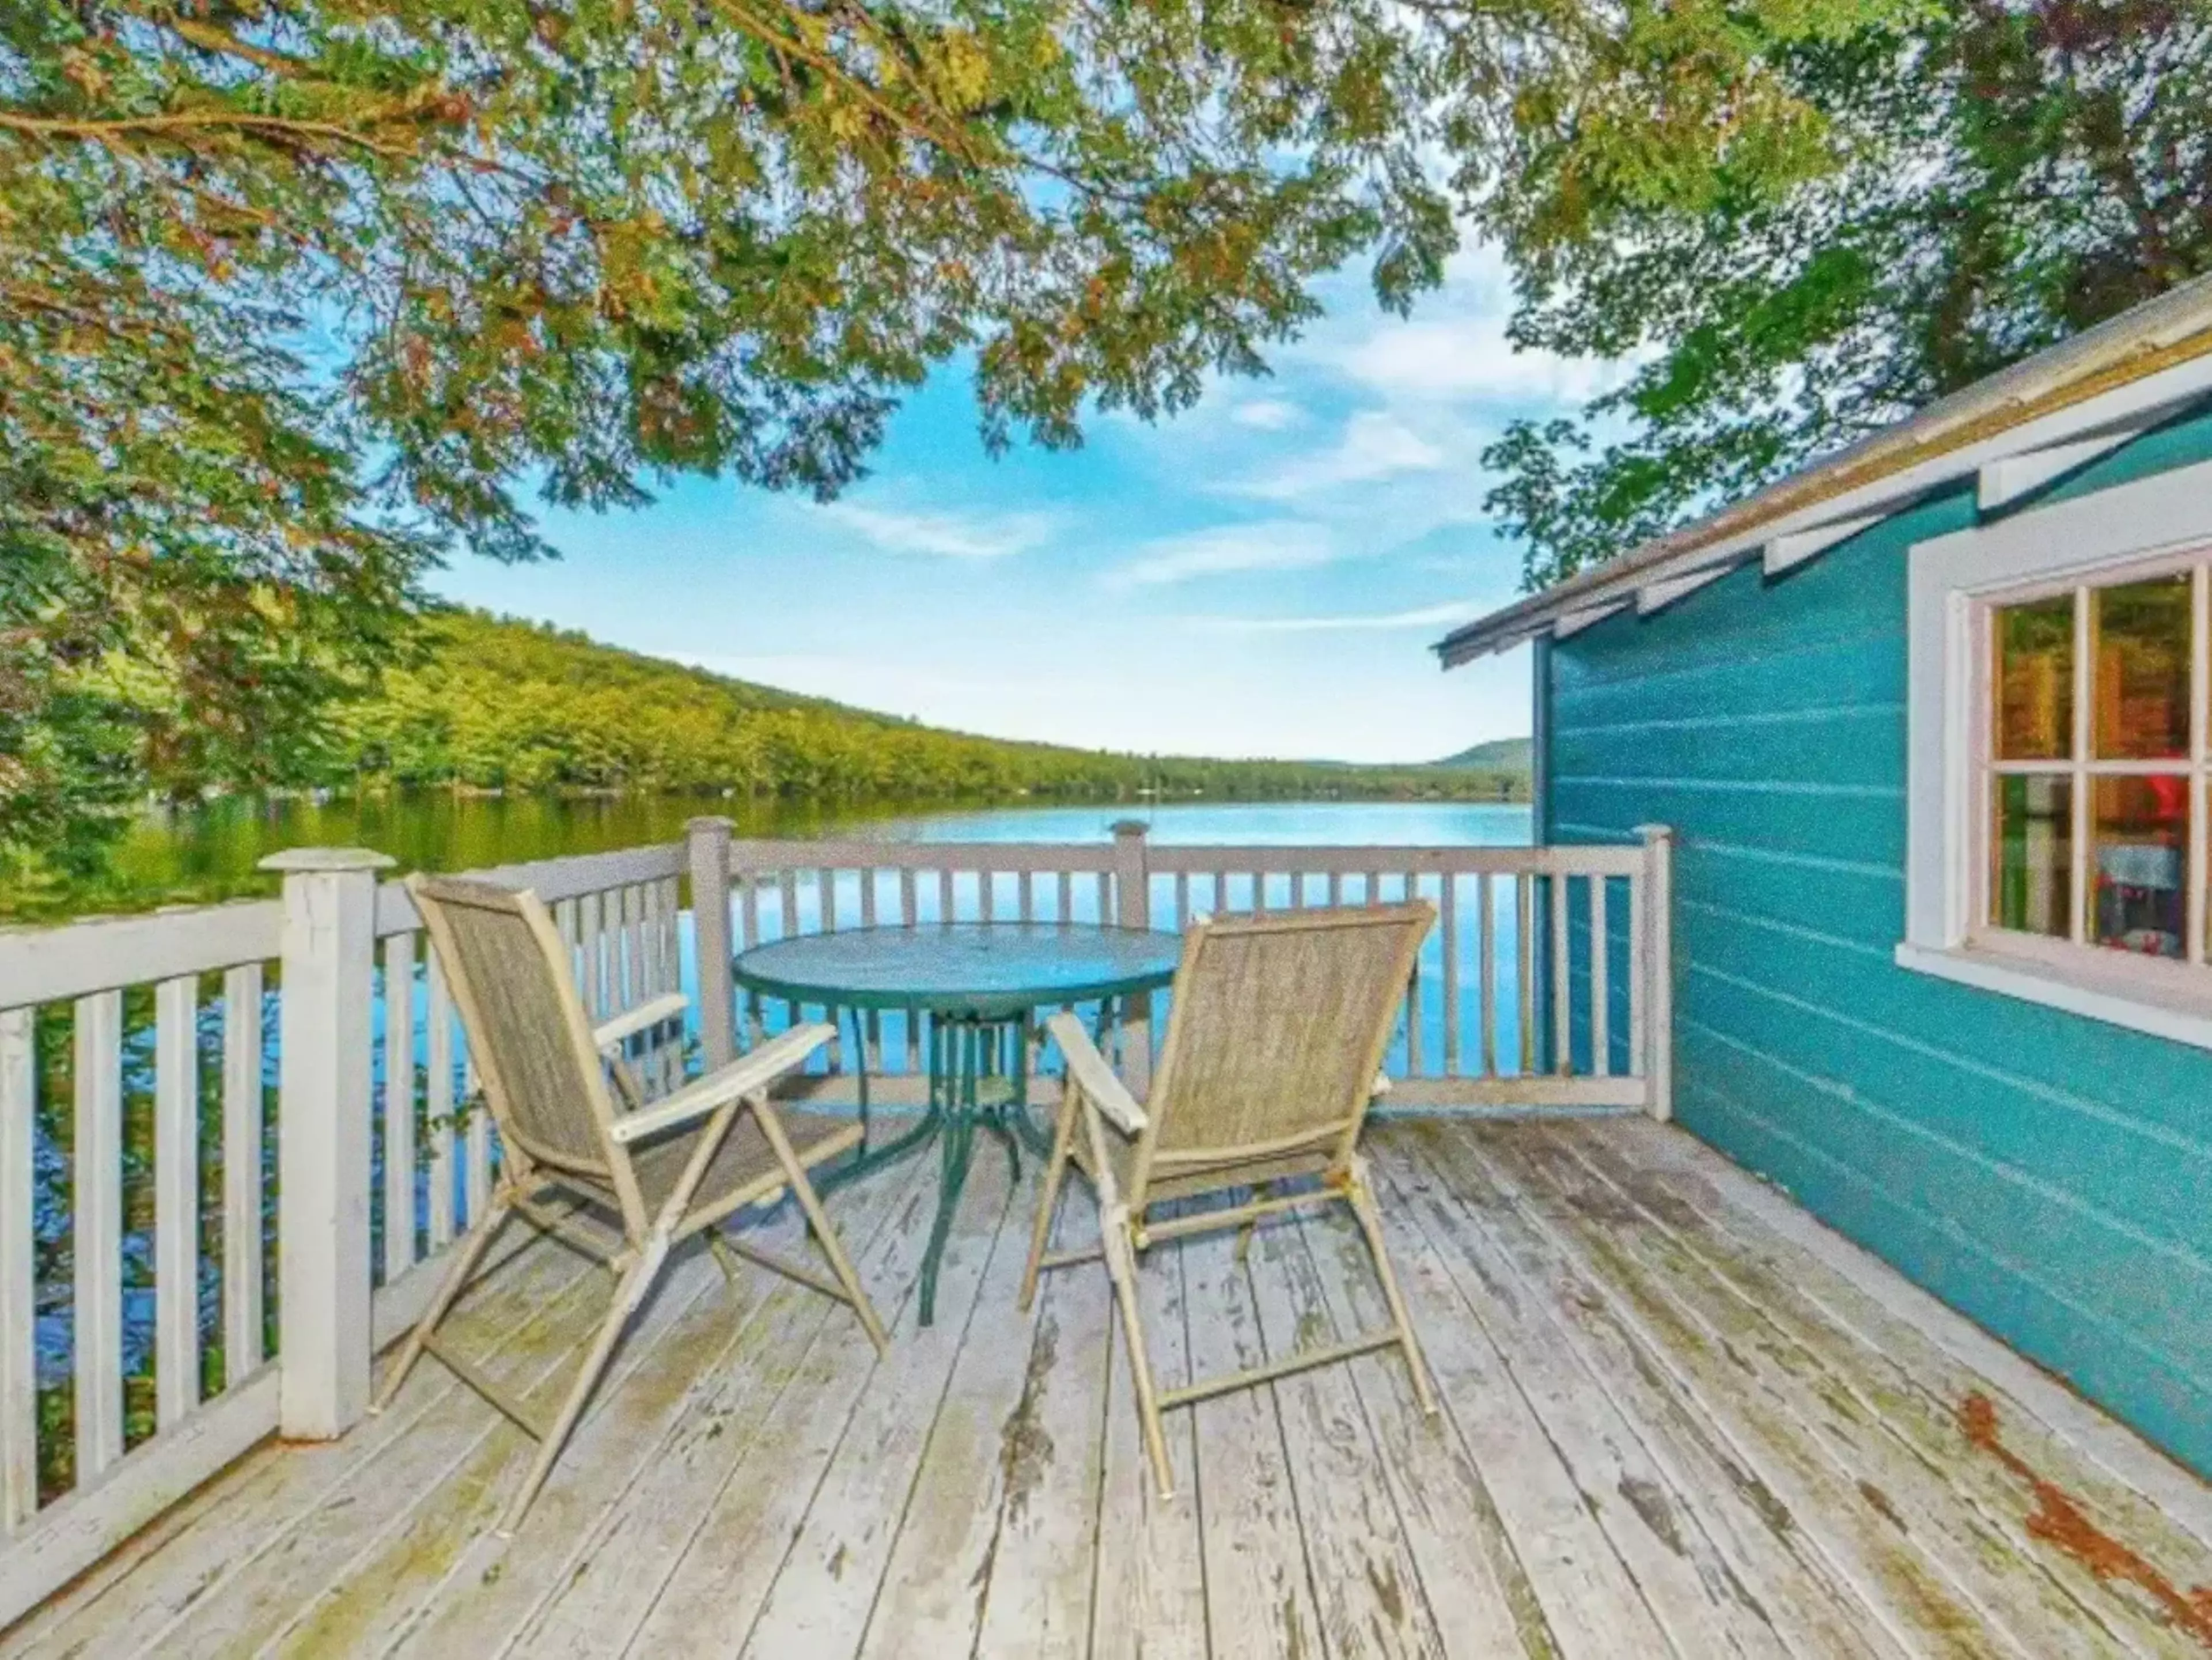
x=744 y=1168
x=1235 y=1171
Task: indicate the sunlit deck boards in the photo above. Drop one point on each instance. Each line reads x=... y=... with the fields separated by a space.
x=1679 y=1419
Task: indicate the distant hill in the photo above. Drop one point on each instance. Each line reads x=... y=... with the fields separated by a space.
x=496 y=703
x=1512 y=754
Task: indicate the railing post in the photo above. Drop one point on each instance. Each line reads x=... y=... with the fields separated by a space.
x=328 y=958
x=1133 y=908
x=708 y=843
x=1658 y=968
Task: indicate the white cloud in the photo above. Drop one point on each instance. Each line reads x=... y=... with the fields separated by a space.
x=1421 y=617
x=1375 y=446
x=1266 y=414
x=1453 y=350
x=945 y=535
x=1276 y=545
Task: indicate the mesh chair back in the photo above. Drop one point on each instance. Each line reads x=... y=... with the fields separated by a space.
x=527 y=1033
x=1280 y=1026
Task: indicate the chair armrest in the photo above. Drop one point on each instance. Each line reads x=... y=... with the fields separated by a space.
x=747 y=1075
x=643 y=1018
x=1088 y=1070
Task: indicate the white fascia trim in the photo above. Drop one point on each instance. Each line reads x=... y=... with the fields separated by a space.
x=2139 y=403
x=1657 y=596
x=2010 y=477
x=2181 y=1020
x=1787 y=552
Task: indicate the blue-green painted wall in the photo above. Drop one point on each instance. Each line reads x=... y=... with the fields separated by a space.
x=2049 y=1175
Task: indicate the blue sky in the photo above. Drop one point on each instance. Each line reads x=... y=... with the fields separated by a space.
x=1262 y=575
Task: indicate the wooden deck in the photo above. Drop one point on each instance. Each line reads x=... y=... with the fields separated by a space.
x=1680 y=1419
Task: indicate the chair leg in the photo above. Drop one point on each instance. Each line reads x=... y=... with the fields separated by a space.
x=825 y=1237
x=1055 y=1171
x=1362 y=1200
x=1121 y=1269
x=636 y=1282
x=473 y=1245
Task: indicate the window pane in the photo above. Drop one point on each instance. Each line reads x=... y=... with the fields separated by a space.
x=2032 y=854
x=2138 y=840
x=2140 y=706
x=2035 y=679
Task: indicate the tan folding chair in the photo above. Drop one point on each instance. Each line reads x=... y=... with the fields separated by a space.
x=666 y=1170
x=1273 y=1052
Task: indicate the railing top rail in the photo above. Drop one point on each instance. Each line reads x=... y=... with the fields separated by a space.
x=858 y=853
x=1276 y=858
x=52 y=964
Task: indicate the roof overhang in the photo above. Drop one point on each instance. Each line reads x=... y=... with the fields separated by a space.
x=2013 y=433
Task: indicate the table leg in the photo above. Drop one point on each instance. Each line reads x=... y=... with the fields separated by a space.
x=959 y=1151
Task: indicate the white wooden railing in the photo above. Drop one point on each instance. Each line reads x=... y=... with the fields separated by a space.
x=293 y=1095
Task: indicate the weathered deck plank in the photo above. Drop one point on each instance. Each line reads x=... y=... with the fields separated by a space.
x=1764 y=1555
x=1942 y=1436
x=1678 y=1420
x=1478 y=1591
x=2020 y=1608
x=1150 y=1600
x=1259 y=1586
x=1368 y=1589
x=491 y=1593
x=645 y=1533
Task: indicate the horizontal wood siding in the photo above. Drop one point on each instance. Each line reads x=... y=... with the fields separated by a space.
x=2043 y=1173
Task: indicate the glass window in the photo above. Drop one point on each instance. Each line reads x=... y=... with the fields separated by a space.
x=2140 y=831
x=2141 y=697
x=2032 y=885
x=2035 y=679
x=2090 y=833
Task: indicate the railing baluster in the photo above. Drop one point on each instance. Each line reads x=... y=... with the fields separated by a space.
x=97 y=1201
x=1335 y=889
x=986 y=894
x=946 y=910
x=1068 y=896
x=1448 y=925
x=1636 y=1035
x=1414 y=1011
x=176 y=1198
x=243 y=1248
x=1563 y=1008
x=476 y=1173
x=1601 y=992
x=825 y=897
x=787 y=891
x=399 y=1105
x=19 y=1313
x=1486 y=972
x=1024 y=888
x=590 y=935
x=437 y=1107
x=1182 y=901
x=1524 y=940
x=1105 y=897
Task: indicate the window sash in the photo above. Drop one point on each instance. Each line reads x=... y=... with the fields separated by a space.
x=2081 y=768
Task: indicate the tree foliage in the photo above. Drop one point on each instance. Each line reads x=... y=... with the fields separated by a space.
x=1799 y=223
x=298 y=296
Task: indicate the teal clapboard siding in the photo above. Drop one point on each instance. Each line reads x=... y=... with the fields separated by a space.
x=2049 y=1176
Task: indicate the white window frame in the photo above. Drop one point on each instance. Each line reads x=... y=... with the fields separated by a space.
x=2140 y=529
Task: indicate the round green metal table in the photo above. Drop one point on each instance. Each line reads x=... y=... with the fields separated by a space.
x=977 y=984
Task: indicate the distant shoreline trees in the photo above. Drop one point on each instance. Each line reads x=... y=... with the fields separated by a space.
x=496 y=704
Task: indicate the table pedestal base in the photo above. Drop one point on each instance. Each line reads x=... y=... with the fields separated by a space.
x=978 y=1079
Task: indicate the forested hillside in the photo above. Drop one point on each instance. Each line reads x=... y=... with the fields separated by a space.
x=498 y=704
